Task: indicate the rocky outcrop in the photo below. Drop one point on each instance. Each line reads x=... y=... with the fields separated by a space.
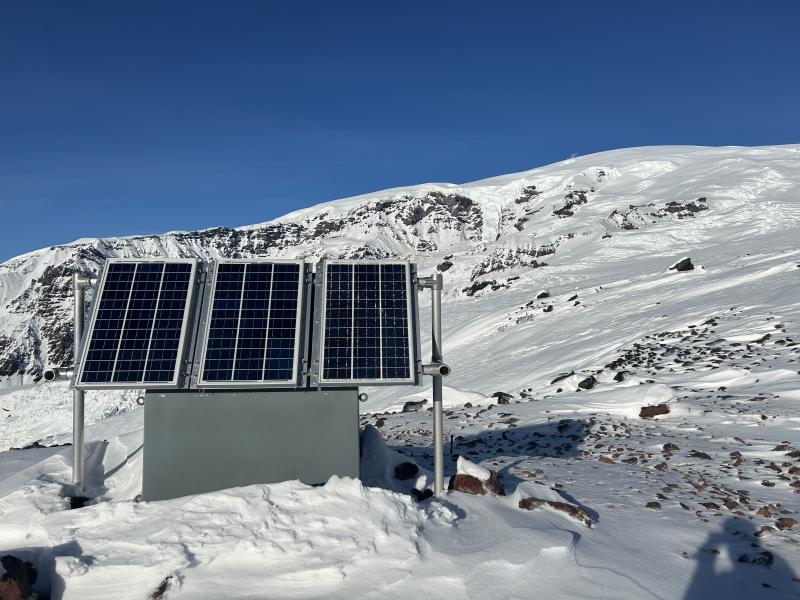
x=640 y=215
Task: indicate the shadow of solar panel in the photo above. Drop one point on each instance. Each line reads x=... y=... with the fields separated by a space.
x=253 y=333
x=367 y=331
x=136 y=335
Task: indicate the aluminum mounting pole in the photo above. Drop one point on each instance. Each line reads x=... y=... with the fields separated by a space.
x=437 y=369
x=79 y=285
x=436 y=357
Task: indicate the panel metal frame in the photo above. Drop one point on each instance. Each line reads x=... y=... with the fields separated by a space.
x=178 y=379
x=318 y=349
x=299 y=366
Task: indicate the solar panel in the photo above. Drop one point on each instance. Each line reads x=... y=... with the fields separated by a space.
x=367 y=327
x=135 y=337
x=252 y=334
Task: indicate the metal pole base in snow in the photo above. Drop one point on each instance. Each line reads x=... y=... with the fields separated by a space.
x=77 y=439
x=438 y=369
x=438 y=437
x=79 y=285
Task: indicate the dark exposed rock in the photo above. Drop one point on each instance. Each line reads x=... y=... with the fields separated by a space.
x=698 y=454
x=76 y=502
x=639 y=215
x=502 y=397
x=562 y=376
x=548 y=308
x=785 y=523
x=653 y=505
x=162 y=588
x=542 y=295
x=765 y=558
x=648 y=412
x=573 y=199
x=18 y=580
x=466 y=484
x=588 y=383
x=527 y=194
x=685 y=264
x=494 y=485
x=444 y=266
x=405 y=471
x=422 y=495
x=576 y=512
x=508 y=258
x=412 y=406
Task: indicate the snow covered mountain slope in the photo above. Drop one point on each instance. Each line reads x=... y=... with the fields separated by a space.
x=562 y=321
x=625 y=207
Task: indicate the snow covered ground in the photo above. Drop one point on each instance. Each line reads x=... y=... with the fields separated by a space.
x=695 y=503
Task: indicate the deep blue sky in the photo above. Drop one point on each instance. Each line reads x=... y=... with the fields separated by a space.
x=120 y=118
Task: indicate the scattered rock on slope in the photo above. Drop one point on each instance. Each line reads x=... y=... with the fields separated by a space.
x=502 y=397
x=576 y=512
x=412 y=406
x=648 y=412
x=684 y=264
x=562 y=376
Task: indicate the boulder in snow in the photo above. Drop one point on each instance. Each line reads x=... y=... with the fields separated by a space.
x=649 y=412
x=474 y=479
x=502 y=397
x=412 y=406
x=18 y=578
x=684 y=264
x=405 y=470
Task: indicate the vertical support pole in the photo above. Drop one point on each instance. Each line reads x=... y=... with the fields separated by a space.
x=436 y=357
x=78 y=289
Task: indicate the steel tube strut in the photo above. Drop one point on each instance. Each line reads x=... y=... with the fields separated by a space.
x=79 y=285
x=438 y=369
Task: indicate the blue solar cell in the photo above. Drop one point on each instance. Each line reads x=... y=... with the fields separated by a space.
x=253 y=328
x=366 y=330
x=136 y=334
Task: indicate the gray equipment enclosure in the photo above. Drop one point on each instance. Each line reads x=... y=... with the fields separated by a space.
x=196 y=442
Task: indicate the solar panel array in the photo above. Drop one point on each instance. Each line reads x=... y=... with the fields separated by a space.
x=249 y=330
x=253 y=329
x=367 y=331
x=136 y=335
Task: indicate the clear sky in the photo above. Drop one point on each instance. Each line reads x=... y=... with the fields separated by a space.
x=140 y=117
